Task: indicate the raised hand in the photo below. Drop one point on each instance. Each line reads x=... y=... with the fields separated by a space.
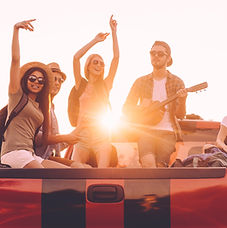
x=15 y=77
x=113 y=24
x=101 y=37
x=25 y=25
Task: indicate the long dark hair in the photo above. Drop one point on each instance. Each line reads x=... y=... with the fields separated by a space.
x=43 y=97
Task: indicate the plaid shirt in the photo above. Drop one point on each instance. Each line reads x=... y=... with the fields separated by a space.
x=143 y=88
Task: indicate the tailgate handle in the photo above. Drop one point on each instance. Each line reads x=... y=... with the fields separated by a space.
x=105 y=193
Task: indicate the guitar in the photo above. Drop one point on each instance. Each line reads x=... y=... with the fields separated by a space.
x=153 y=114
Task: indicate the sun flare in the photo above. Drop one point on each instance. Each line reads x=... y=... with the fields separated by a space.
x=110 y=120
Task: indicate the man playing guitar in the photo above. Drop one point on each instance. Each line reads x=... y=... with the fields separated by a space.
x=158 y=131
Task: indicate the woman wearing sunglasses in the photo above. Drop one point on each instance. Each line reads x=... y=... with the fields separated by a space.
x=94 y=101
x=32 y=79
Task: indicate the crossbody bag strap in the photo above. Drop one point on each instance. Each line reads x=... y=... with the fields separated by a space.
x=18 y=108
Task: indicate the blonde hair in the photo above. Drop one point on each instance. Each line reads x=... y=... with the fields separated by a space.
x=87 y=63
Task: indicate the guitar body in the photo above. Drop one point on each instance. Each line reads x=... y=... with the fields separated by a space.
x=152 y=114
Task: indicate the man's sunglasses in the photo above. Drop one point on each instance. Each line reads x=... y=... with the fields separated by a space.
x=60 y=80
x=158 y=53
x=95 y=62
x=33 y=78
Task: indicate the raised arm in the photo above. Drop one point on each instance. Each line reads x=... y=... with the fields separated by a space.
x=114 y=64
x=14 y=83
x=76 y=59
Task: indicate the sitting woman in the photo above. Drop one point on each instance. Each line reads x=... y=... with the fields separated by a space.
x=32 y=79
x=222 y=135
x=221 y=141
x=94 y=101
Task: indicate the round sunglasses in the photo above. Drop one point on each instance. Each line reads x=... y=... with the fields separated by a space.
x=95 y=62
x=33 y=78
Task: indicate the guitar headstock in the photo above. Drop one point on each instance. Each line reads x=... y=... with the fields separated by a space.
x=198 y=87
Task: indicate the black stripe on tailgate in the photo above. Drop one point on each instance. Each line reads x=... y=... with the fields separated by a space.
x=63 y=203
x=147 y=203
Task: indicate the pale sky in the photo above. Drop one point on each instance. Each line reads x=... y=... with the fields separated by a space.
x=196 y=31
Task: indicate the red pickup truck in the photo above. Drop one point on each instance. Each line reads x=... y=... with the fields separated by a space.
x=119 y=197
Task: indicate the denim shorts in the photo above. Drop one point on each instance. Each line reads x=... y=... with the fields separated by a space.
x=20 y=158
x=160 y=143
x=93 y=143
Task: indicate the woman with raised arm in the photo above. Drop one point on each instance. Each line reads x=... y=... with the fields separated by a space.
x=94 y=100
x=32 y=79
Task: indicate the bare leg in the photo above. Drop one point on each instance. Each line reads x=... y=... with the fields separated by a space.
x=103 y=155
x=33 y=164
x=53 y=164
x=80 y=154
x=148 y=161
x=68 y=162
x=79 y=165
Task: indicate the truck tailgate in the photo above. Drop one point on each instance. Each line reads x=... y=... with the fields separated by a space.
x=115 y=198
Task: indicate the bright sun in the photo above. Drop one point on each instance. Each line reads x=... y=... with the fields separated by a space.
x=110 y=120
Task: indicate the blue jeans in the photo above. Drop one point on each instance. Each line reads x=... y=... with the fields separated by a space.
x=160 y=143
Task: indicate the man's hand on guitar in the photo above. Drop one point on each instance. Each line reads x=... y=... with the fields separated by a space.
x=182 y=93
